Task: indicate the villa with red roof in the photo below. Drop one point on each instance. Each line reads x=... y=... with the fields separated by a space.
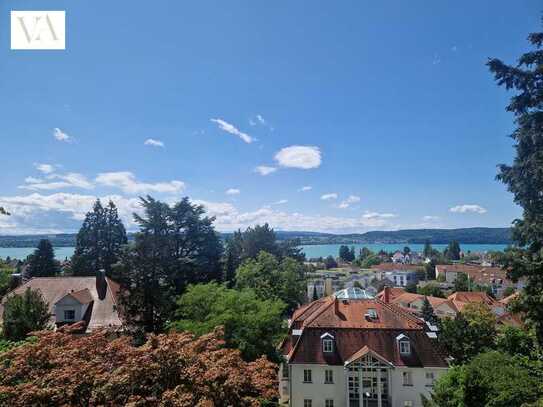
x=353 y=350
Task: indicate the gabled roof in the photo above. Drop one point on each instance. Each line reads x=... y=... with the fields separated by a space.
x=393 y=293
x=104 y=312
x=365 y=351
x=82 y=296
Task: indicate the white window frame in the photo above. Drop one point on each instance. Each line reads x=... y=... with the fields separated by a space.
x=308 y=403
x=329 y=403
x=308 y=374
x=407 y=403
x=405 y=347
x=328 y=376
x=407 y=378
x=327 y=345
x=430 y=379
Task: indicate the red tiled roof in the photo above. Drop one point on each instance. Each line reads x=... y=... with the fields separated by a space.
x=393 y=293
x=354 y=333
x=83 y=296
x=461 y=298
x=509 y=298
x=479 y=274
x=396 y=266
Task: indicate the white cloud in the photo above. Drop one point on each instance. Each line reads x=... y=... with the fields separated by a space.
x=304 y=157
x=126 y=181
x=61 y=136
x=436 y=59
x=377 y=215
x=45 y=168
x=265 y=170
x=467 y=208
x=306 y=188
x=349 y=201
x=153 y=142
x=329 y=197
x=281 y=202
x=261 y=119
x=430 y=218
x=230 y=128
x=232 y=191
x=69 y=180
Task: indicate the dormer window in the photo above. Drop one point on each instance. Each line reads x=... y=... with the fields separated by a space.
x=371 y=313
x=404 y=345
x=327 y=343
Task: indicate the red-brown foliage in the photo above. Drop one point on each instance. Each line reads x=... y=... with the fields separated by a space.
x=175 y=369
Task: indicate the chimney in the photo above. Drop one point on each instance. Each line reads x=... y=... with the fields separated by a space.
x=386 y=294
x=101 y=283
x=336 y=306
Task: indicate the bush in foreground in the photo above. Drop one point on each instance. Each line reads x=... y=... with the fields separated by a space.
x=176 y=369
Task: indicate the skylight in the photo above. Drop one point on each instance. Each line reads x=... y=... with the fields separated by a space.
x=352 y=293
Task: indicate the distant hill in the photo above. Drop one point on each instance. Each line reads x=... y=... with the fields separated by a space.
x=436 y=236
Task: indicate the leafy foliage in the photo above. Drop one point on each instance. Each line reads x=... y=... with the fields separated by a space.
x=274 y=279
x=176 y=246
x=428 y=313
x=524 y=178
x=251 y=324
x=471 y=332
x=42 y=262
x=168 y=370
x=431 y=290
x=346 y=254
x=491 y=379
x=24 y=313
x=99 y=241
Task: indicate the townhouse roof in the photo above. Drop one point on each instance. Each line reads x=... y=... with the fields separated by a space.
x=479 y=274
x=356 y=332
x=393 y=293
x=396 y=267
x=461 y=298
x=104 y=311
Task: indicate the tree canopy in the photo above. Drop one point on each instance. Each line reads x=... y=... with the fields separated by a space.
x=274 y=279
x=24 y=313
x=176 y=369
x=524 y=177
x=42 y=262
x=251 y=324
x=99 y=241
x=176 y=246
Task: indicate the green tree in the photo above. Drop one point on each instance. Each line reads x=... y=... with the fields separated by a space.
x=274 y=279
x=364 y=254
x=344 y=253
x=42 y=262
x=427 y=251
x=430 y=270
x=406 y=250
x=431 y=290
x=491 y=379
x=99 y=241
x=428 y=312
x=251 y=324
x=24 y=313
x=315 y=297
x=330 y=263
x=517 y=341
x=453 y=250
x=524 y=177
x=471 y=332
x=176 y=246
x=411 y=287
x=462 y=282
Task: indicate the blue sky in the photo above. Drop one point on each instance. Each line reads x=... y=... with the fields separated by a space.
x=386 y=110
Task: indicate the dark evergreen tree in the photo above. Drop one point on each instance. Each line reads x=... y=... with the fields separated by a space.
x=42 y=262
x=99 y=241
x=345 y=253
x=427 y=251
x=524 y=178
x=453 y=251
x=330 y=262
x=315 y=296
x=175 y=246
x=428 y=312
x=406 y=250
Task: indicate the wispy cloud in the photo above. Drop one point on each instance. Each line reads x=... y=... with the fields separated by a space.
x=377 y=215
x=306 y=188
x=265 y=170
x=45 y=168
x=349 y=201
x=281 y=202
x=153 y=142
x=329 y=197
x=468 y=208
x=304 y=157
x=430 y=218
x=127 y=182
x=230 y=128
x=61 y=136
x=232 y=191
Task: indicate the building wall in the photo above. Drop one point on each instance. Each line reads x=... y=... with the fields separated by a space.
x=68 y=303
x=318 y=391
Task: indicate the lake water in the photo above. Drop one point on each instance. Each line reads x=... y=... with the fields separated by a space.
x=311 y=251
x=324 y=250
